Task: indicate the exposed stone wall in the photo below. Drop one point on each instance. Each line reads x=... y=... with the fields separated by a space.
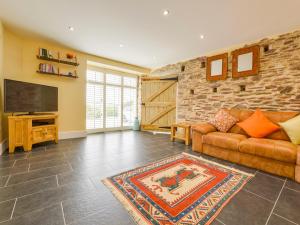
x=277 y=87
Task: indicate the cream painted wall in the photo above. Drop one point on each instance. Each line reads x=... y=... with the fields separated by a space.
x=20 y=63
x=1 y=76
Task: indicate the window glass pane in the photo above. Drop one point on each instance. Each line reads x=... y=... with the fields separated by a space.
x=130 y=81
x=95 y=76
x=99 y=100
x=113 y=79
x=94 y=106
x=113 y=106
x=129 y=106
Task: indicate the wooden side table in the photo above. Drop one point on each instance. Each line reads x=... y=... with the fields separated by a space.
x=186 y=137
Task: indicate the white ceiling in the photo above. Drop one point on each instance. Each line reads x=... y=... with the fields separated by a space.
x=149 y=38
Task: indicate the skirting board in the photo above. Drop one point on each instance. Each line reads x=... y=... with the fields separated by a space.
x=71 y=134
x=3 y=146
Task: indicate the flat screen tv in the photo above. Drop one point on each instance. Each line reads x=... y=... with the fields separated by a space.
x=28 y=97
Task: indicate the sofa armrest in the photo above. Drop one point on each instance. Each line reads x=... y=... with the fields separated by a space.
x=204 y=128
x=197 y=132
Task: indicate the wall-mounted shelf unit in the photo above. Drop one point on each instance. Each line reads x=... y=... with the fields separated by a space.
x=58 y=60
x=57 y=74
x=56 y=63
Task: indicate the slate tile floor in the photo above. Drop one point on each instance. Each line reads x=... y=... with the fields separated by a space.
x=60 y=184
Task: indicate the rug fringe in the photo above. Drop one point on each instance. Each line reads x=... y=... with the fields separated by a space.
x=137 y=218
x=218 y=164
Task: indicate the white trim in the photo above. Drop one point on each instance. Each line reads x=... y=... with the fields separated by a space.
x=102 y=130
x=3 y=146
x=160 y=132
x=71 y=134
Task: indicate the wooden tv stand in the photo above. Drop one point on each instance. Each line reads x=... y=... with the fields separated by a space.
x=26 y=130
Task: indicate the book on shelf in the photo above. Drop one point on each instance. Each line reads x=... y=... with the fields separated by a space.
x=44 y=53
x=47 y=68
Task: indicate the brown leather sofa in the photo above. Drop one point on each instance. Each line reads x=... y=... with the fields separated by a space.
x=274 y=154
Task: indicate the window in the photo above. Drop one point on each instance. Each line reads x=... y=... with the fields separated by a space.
x=111 y=100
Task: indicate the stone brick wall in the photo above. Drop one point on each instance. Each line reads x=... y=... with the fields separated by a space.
x=277 y=87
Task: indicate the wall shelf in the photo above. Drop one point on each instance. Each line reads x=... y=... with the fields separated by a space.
x=57 y=60
x=57 y=74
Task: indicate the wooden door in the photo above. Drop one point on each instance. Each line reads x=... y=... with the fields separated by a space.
x=158 y=103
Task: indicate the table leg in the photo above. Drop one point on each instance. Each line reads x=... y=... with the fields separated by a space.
x=187 y=136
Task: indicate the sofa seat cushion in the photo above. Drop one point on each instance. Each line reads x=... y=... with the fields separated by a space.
x=224 y=140
x=274 y=149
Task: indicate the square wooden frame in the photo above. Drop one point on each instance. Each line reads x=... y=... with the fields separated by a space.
x=224 y=58
x=255 y=61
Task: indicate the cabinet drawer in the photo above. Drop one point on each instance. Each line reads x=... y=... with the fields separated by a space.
x=45 y=133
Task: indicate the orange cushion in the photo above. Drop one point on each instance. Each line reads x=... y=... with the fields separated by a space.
x=258 y=125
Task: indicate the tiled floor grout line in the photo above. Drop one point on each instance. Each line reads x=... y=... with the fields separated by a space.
x=14 y=163
x=70 y=165
x=7 y=200
x=283 y=179
x=47 y=167
x=276 y=202
x=292 y=189
x=220 y=221
x=13 y=210
x=27 y=181
x=285 y=218
x=6 y=183
x=56 y=177
x=36 y=170
x=259 y=196
x=37 y=192
x=63 y=214
x=86 y=216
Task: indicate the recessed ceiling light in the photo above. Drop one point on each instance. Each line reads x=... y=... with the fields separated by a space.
x=166 y=12
x=121 y=45
x=202 y=36
x=71 y=28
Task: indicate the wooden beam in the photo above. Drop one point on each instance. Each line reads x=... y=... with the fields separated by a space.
x=161 y=114
x=161 y=90
x=154 y=104
x=166 y=77
x=154 y=128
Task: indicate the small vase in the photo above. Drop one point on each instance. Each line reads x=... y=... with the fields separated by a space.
x=136 y=124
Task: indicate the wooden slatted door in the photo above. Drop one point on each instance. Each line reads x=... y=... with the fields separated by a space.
x=158 y=103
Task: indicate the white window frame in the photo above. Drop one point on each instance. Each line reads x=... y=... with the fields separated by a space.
x=119 y=73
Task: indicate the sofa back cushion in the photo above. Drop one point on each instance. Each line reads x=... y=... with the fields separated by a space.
x=275 y=117
x=258 y=125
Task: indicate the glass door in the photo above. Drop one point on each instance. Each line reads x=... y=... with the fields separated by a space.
x=111 y=101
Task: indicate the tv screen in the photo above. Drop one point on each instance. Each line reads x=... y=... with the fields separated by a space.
x=28 y=97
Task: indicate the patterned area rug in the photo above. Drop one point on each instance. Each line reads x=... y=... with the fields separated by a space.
x=182 y=190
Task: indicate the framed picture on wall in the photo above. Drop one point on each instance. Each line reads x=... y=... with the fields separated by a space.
x=245 y=61
x=217 y=67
